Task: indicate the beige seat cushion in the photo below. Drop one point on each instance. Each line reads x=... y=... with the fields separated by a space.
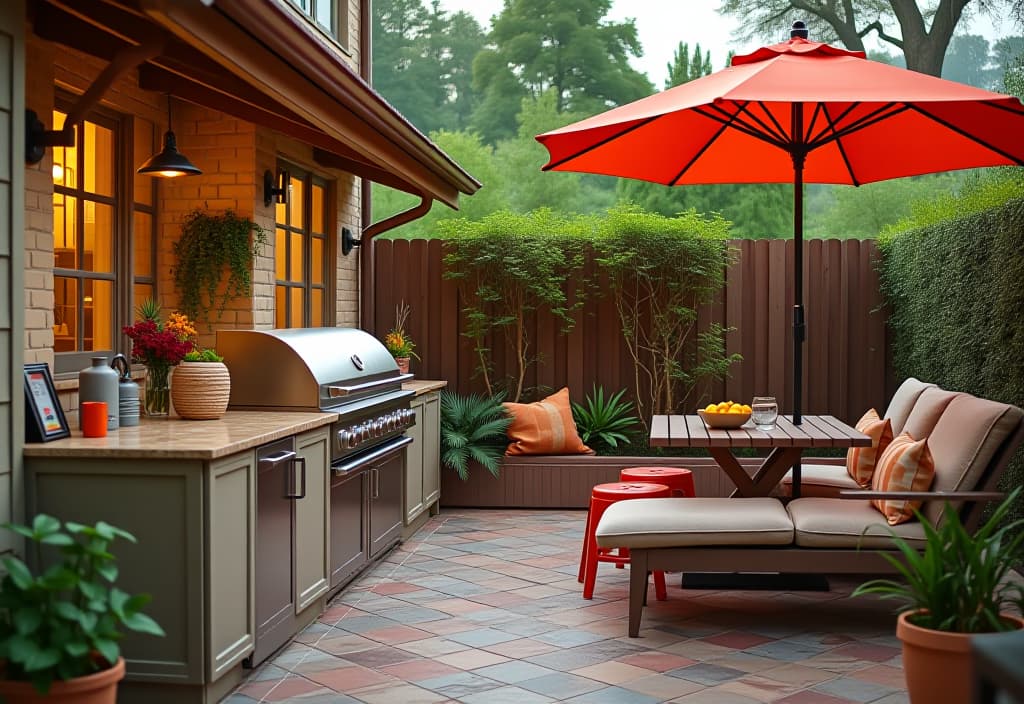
x=903 y=402
x=964 y=440
x=821 y=480
x=840 y=523
x=925 y=414
x=663 y=523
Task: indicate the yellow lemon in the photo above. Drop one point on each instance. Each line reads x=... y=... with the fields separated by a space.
x=723 y=408
x=737 y=409
x=711 y=408
x=746 y=408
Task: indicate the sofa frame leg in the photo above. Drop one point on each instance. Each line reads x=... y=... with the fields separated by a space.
x=638 y=572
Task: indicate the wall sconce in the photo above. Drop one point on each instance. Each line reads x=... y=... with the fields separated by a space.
x=169 y=163
x=348 y=241
x=275 y=189
x=38 y=138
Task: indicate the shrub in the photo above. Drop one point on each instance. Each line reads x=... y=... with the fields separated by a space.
x=604 y=423
x=472 y=428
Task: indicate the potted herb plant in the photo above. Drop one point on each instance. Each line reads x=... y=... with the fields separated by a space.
x=398 y=342
x=201 y=386
x=59 y=629
x=952 y=590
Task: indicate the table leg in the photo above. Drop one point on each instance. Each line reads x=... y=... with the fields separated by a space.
x=744 y=485
x=775 y=467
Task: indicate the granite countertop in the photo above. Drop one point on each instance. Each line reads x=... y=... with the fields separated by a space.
x=423 y=386
x=185 y=439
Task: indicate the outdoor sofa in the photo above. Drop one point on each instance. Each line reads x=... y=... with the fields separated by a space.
x=835 y=529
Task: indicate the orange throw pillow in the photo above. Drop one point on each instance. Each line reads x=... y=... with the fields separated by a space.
x=861 y=461
x=906 y=465
x=544 y=428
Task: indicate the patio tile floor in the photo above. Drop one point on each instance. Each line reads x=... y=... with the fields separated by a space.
x=483 y=607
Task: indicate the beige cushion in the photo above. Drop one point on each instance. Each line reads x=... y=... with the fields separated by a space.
x=821 y=480
x=925 y=414
x=964 y=440
x=840 y=523
x=663 y=523
x=903 y=402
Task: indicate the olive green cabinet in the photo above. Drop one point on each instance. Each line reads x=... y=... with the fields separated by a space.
x=423 y=459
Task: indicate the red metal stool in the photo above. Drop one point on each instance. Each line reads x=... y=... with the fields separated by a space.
x=679 y=480
x=601 y=497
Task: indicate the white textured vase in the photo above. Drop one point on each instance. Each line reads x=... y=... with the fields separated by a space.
x=200 y=390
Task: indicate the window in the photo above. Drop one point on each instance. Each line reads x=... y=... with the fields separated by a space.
x=328 y=15
x=301 y=253
x=103 y=236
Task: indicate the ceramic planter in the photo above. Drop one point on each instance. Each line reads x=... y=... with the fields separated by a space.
x=938 y=665
x=97 y=688
x=200 y=390
x=403 y=364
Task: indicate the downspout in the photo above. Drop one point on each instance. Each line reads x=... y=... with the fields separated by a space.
x=366 y=255
x=366 y=302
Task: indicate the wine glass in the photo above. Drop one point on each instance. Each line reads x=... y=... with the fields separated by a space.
x=764 y=411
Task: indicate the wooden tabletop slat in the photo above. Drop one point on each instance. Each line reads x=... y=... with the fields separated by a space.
x=799 y=435
x=815 y=431
x=678 y=432
x=698 y=432
x=826 y=429
x=660 y=432
x=759 y=438
x=851 y=434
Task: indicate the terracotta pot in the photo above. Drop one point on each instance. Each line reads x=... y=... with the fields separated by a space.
x=938 y=665
x=200 y=390
x=403 y=364
x=97 y=688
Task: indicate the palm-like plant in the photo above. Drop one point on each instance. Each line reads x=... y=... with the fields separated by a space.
x=472 y=428
x=604 y=423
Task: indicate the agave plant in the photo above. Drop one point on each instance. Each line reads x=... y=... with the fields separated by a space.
x=472 y=428
x=604 y=423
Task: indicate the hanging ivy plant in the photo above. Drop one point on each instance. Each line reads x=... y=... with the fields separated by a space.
x=209 y=245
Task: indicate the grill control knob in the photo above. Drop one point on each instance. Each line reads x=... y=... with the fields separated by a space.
x=393 y=423
x=410 y=417
x=345 y=439
x=358 y=434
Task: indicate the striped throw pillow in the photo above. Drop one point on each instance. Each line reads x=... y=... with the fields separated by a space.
x=906 y=465
x=544 y=428
x=861 y=461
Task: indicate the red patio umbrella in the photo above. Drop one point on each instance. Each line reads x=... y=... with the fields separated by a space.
x=800 y=112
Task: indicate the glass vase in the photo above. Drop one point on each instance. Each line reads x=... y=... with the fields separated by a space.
x=158 y=391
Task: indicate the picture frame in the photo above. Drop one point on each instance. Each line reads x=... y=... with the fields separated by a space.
x=44 y=417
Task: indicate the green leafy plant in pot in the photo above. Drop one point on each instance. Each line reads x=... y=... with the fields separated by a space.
x=472 y=430
x=954 y=588
x=604 y=423
x=59 y=629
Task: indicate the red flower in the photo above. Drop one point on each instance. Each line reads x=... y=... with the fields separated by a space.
x=154 y=346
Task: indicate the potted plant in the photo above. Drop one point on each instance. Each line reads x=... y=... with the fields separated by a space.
x=59 y=629
x=398 y=342
x=201 y=386
x=952 y=590
x=472 y=430
x=602 y=423
x=159 y=345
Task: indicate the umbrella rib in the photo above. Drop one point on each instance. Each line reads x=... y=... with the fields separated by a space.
x=778 y=126
x=738 y=125
x=806 y=136
x=964 y=133
x=861 y=123
x=601 y=143
x=779 y=134
x=839 y=145
x=707 y=145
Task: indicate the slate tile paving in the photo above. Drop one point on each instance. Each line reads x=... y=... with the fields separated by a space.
x=483 y=607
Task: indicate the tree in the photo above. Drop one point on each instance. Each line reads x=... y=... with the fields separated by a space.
x=924 y=32
x=684 y=67
x=967 y=61
x=564 y=45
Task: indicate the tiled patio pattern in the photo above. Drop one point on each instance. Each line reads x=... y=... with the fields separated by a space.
x=483 y=607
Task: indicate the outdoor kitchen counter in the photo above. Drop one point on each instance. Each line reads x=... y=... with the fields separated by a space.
x=176 y=438
x=423 y=386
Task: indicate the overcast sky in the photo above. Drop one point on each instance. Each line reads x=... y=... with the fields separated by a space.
x=662 y=24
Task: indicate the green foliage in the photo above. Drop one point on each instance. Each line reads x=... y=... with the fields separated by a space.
x=53 y=624
x=507 y=266
x=660 y=270
x=204 y=355
x=686 y=67
x=604 y=423
x=958 y=583
x=953 y=283
x=208 y=244
x=472 y=429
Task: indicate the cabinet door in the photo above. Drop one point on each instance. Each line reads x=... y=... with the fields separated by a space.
x=311 y=511
x=431 y=430
x=348 y=527
x=414 y=465
x=386 y=488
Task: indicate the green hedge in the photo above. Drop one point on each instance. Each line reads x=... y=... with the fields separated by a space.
x=956 y=290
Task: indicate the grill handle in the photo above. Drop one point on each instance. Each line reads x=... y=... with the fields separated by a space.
x=371 y=456
x=341 y=391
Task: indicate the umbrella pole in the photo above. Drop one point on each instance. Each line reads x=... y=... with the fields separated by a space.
x=799 y=330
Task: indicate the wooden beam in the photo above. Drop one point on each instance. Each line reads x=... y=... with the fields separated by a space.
x=353 y=164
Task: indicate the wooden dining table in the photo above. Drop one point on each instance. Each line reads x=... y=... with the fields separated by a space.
x=787 y=443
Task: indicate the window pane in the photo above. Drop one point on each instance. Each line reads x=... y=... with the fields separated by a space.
x=295 y=264
x=318 y=209
x=296 y=199
x=98 y=240
x=145 y=146
x=64 y=158
x=141 y=292
x=281 y=214
x=65 y=313
x=280 y=306
x=316 y=266
x=65 y=239
x=98 y=315
x=317 y=307
x=324 y=14
x=99 y=159
x=298 y=297
x=143 y=241
x=281 y=254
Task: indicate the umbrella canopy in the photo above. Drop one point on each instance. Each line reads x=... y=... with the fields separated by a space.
x=797 y=112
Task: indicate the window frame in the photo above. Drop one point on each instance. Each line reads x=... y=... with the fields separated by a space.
x=338 y=32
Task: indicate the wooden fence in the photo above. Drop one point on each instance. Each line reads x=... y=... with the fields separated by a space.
x=846 y=369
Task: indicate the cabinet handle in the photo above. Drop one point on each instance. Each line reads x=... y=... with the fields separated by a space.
x=376 y=483
x=301 y=494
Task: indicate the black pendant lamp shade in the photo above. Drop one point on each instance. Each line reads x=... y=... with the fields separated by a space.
x=170 y=162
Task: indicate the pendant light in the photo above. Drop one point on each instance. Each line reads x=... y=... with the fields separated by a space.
x=169 y=163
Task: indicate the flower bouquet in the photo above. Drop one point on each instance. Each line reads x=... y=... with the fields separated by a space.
x=159 y=345
x=398 y=342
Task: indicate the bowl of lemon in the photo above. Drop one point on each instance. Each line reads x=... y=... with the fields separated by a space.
x=724 y=415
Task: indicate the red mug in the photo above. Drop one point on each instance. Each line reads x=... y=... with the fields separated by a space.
x=94 y=419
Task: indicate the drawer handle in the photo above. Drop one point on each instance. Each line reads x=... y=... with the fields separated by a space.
x=301 y=494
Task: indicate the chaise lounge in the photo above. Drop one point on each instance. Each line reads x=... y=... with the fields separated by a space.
x=833 y=528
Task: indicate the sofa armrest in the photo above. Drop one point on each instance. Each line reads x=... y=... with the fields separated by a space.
x=922 y=495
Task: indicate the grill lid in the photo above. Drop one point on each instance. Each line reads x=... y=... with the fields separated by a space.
x=306 y=368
